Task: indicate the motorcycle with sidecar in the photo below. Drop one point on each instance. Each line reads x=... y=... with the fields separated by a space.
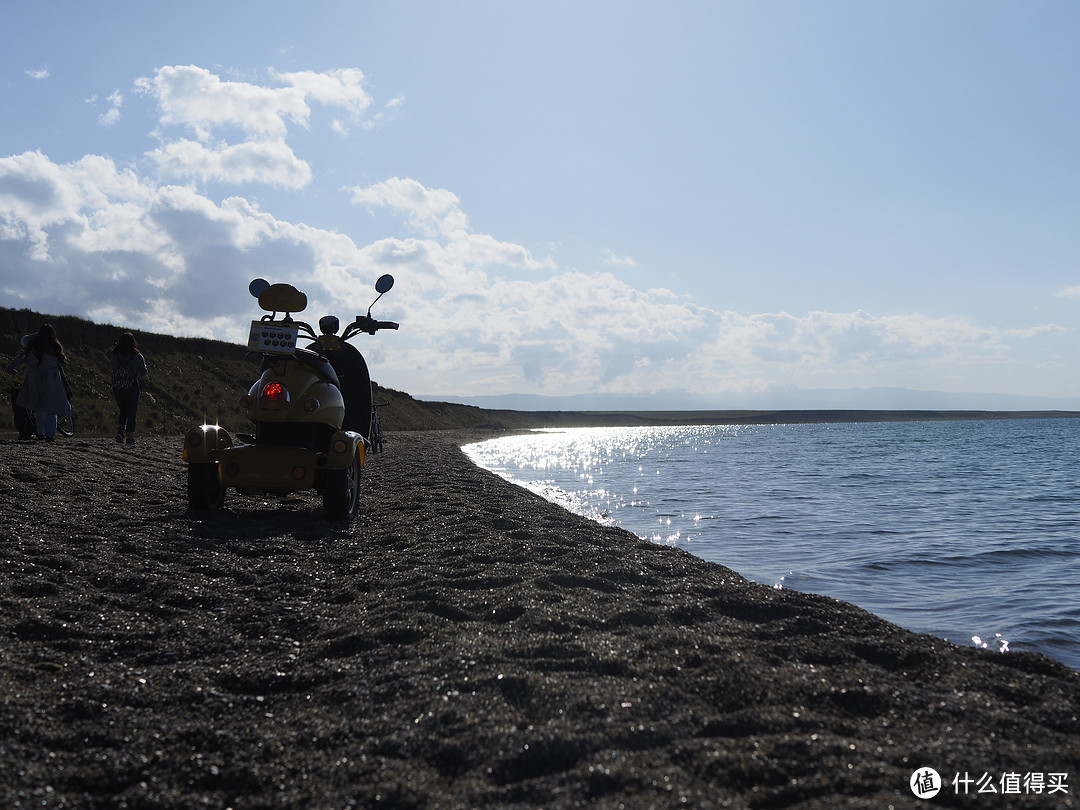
x=311 y=408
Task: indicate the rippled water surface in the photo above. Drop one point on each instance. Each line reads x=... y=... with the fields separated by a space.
x=966 y=530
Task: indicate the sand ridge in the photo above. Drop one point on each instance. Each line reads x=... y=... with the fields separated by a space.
x=463 y=644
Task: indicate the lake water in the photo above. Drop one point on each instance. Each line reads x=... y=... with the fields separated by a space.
x=967 y=530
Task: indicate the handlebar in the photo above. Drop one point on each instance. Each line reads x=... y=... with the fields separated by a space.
x=273 y=343
x=365 y=323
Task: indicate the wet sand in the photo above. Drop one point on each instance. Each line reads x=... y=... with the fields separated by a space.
x=464 y=644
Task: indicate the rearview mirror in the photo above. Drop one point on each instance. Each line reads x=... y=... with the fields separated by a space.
x=257 y=286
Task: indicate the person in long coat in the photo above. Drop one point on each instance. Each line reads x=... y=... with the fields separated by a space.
x=43 y=391
x=24 y=420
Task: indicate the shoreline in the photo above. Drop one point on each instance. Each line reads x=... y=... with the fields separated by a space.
x=465 y=643
x=410 y=415
x=966 y=600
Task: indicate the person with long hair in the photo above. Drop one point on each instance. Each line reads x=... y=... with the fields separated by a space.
x=44 y=390
x=128 y=366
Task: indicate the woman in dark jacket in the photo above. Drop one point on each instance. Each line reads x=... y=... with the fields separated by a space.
x=128 y=365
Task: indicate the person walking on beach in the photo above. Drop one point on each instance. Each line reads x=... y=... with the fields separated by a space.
x=45 y=391
x=24 y=422
x=128 y=366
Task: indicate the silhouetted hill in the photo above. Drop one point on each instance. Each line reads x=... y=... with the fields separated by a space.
x=194 y=380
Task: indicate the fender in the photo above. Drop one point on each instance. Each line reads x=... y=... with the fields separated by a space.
x=204 y=444
x=344 y=445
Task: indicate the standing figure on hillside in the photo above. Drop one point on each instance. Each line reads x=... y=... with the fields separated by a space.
x=24 y=422
x=128 y=365
x=45 y=390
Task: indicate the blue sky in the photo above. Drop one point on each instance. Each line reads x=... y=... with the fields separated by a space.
x=733 y=200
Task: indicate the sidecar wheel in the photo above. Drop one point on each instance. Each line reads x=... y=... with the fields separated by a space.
x=341 y=496
x=205 y=492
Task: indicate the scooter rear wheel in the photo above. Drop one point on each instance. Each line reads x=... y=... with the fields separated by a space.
x=205 y=492
x=341 y=495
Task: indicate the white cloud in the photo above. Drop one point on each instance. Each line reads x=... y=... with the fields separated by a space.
x=479 y=326
x=199 y=100
x=609 y=257
x=1068 y=292
x=40 y=73
x=479 y=314
x=112 y=115
x=380 y=118
x=270 y=162
x=101 y=242
x=240 y=128
x=434 y=211
x=336 y=88
x=1040 y=330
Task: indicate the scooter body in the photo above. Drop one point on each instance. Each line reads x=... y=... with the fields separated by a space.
x=298 y=409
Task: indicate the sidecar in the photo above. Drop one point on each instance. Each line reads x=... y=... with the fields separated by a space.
x=216 y=463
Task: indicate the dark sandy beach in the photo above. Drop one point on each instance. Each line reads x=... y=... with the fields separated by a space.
x=464 y=644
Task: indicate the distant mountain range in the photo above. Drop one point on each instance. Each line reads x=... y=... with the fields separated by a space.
x=893 y=399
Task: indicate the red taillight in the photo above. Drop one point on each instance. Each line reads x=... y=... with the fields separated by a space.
x=275 y=392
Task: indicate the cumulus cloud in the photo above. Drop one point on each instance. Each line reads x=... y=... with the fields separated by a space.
x=240 y=129
x=479 y=314
x=434 y=211
x=270 y=162
x=199 y=100
x=337 y=88
x=559 y=330
x=107 y=244
x=39 y=73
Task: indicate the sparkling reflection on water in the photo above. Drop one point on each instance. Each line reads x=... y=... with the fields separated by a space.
x=966 y=530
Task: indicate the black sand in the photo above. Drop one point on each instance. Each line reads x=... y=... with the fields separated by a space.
x=463 y=644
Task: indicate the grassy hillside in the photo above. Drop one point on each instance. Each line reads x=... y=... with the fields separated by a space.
x=193 y=380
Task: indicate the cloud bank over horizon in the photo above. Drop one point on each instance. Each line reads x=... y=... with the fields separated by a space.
x=167 y=240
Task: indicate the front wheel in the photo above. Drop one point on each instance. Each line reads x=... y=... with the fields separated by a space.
x=205 y=492
x=341 y=494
